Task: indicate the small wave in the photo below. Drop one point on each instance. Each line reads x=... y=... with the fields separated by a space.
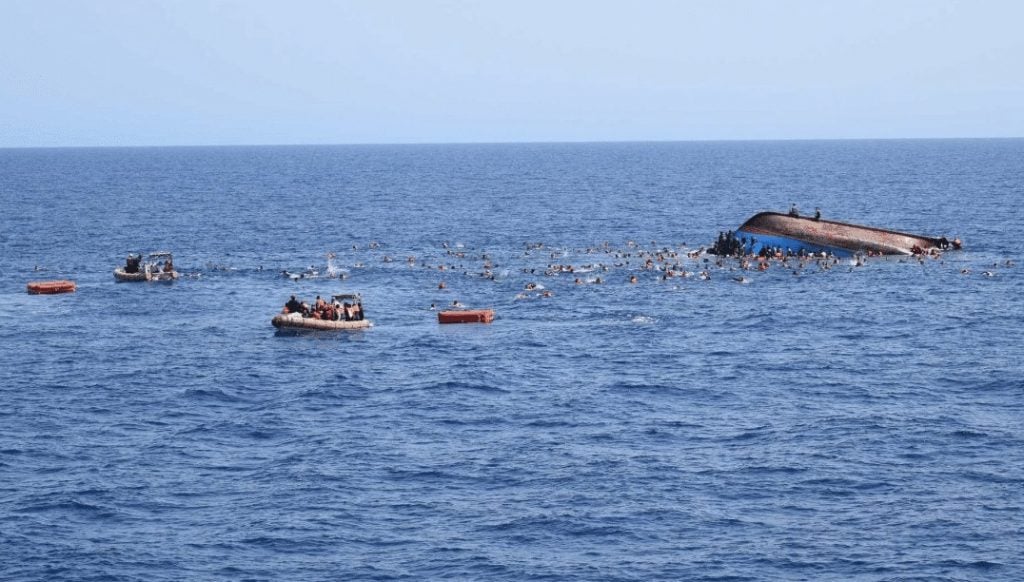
x=681 y=424
x=599 y=531
x=489 y=421
x=974 y=565
x=262 y=435
x=751 y=434
x=544 y=423
x=417 y=343
x=968 y=434
x=637 y=386
x=215 y=394
x=68 y=505
x=768 y=470
x=421 y=475
x=282 y=545
x=827 y=482
x=344 y=392
x=916 y=456
x=642 y=320
x=993 y=478
x=540 y=523
x=458 y=386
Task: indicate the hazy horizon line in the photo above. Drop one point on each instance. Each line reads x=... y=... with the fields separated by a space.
x=510 y=142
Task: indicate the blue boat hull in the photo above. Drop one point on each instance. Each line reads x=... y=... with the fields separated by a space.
x=758 y=242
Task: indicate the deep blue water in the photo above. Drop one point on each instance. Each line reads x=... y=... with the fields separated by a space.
x=850 y=423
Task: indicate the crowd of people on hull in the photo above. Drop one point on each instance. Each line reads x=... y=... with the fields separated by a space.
x=729 y=245
x=325 y=310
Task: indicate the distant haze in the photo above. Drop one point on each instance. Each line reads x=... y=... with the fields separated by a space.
x=112 y=73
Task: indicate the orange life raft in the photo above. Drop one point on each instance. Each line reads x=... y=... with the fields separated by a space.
x=50 y=287
x=466 y=316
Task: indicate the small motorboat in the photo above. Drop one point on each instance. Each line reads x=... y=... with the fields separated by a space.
x=466 y=316
x=158 y=267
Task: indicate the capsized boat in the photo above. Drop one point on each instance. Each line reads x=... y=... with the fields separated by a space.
x=814 y=235
x=159 y=267
x=344 y=311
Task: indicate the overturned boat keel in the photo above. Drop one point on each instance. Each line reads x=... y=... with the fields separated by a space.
x=774 y=230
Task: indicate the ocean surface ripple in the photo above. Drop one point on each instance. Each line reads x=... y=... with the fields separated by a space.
x=856 y=422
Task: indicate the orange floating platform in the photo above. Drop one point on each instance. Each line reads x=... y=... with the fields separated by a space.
x=466 y=316
x=50 y=287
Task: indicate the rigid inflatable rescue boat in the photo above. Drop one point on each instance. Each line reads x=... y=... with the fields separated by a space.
x=298 y=321
x=344 y=311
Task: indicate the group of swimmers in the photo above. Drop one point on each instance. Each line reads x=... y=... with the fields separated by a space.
x=326 y=310
x=604 y=263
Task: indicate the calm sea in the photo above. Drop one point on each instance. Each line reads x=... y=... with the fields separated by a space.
x=859 y=422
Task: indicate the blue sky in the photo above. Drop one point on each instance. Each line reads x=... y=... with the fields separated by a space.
x=136 y=72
